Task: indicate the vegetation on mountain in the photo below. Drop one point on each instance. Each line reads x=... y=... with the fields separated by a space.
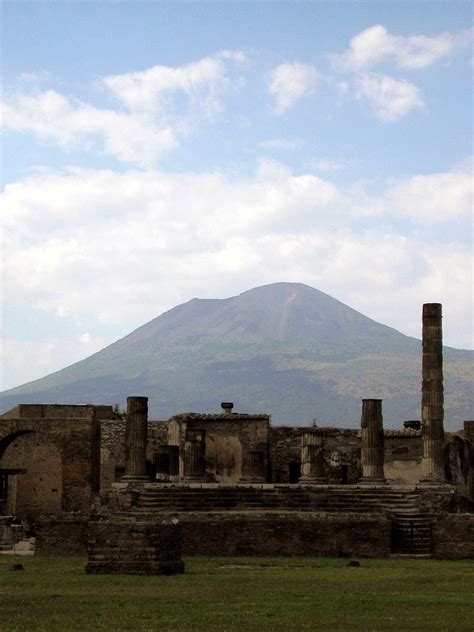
x=285 y=348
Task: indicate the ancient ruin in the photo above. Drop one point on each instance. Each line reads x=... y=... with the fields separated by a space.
x=135 y=492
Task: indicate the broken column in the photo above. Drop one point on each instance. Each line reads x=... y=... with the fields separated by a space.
x=432 y=395
x=136 y=432
x=312 y=458
x=372 y=441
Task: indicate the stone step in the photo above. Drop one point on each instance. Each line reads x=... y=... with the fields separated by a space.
x=331 y=499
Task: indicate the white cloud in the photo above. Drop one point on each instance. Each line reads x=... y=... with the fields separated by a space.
x=376 y=45
x=153 y=122
x=113 y=248
x=289 y=83
x=201 y=81
x=282 y=143
x=389 y=98
x=51 y=116
x=433 y=198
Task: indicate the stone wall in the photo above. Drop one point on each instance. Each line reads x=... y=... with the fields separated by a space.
x=112 y=449
x=402 y=458
x=139 y=548
x=460 y=461
x=112 y=452
x=285 y=453
x=38 y=489
x=453 y=536
x=75 y=438
x=228 y=438
x=285 y=534
x=62 y=536
x=403 y=450
x=341 y=449
x=49 y=455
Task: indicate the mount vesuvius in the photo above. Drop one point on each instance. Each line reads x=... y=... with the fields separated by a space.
x=285 y=348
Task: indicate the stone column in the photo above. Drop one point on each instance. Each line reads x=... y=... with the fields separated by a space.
x=432 y=395
x=253 y=466
x=136 y=431
x=372 y=441
x=312 y=458
x=194 y=456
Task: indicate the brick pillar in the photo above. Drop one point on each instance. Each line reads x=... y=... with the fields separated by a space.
x=136 y=430
x=312 y=458
x=432 y=395
x=372 y=441
x=195 y=456
x=253 y=466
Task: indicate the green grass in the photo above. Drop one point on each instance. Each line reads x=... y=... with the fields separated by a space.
x=241 y=594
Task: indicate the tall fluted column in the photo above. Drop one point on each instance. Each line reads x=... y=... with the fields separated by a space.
x=432 y=395
x=136 y=432
x=312 y=458
x=372 y=441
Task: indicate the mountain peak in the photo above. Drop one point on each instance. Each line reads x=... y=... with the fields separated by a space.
x=284 y=348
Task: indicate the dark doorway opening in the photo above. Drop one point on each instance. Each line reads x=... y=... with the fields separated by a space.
x=174 y=460
x=344 y=474
x=150 y=469
x=119 y=473
x=294 y=472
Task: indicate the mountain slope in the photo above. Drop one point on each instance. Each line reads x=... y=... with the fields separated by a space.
x=283 y=348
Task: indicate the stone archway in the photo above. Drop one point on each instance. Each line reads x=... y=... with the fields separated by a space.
x=32 y=466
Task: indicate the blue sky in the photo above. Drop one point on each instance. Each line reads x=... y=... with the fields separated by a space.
x=154 y=152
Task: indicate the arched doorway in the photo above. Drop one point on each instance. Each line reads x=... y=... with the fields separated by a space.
x=31 y=468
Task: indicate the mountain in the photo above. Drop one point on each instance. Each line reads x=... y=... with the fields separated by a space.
x=285 y=348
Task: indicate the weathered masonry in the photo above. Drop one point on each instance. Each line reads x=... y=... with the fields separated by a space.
x=50 y=458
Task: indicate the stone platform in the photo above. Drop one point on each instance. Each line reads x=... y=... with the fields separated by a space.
x=264 y=519
x=138 y=548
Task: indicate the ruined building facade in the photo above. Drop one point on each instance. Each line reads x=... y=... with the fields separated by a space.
x=240 y=485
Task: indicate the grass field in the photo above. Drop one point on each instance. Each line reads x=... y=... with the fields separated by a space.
x=241 y=594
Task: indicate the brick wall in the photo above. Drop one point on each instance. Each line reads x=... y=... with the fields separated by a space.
x=62 y=536
x=453 y=536
x=285 y=534
x=39 y=489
